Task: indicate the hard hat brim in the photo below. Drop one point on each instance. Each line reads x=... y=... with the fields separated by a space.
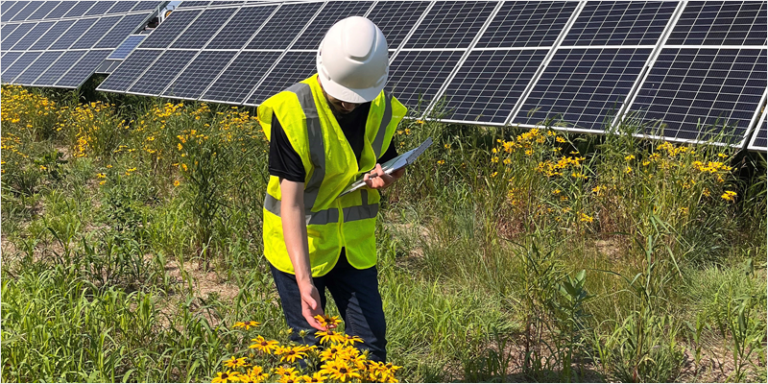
x=349 y=95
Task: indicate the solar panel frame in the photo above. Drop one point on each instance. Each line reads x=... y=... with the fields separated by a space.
x=19 y=33
x=37 y=68
x=13 y=10
x=746 y=13
x=620 y=23
x=58 y=68
x=759 y=141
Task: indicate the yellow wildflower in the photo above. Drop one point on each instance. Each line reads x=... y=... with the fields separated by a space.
x=729 y=196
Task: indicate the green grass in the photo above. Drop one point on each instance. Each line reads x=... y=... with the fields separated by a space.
x=130 y=249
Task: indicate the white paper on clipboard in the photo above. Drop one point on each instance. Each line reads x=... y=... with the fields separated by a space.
x=393 y=165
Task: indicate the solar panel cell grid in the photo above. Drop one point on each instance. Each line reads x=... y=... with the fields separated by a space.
x=61 y=9
x=7 y=29
x=130 y=43
x=53 y=33
x=721 y=23
x=129 y=70
x=415 y=75
x=585 y=88
x=162 y=72
x=35 y=33
x=37 y=68
x=74 y=33
x=8 y=60
x=13 y=10
x=397 y=18
x=237 y=81
x=17 y=34
x=333 y=12
x=489 y=83
x=620 y=23
x=19 y=66
x=123 y=6
x=28 y=10
x=170 y=29
x=240 y=28
x=146 y=6
x=761 y=136
x=185 y=4
x=79 y=73
x=451 y=24
x=693 y=90
x=282 y=28
x=97 y=32
x=62 y=65
x=292 y=68
x=527 y=24
x=204 y=28
x=199 y=74
x=43 y=10
x=100 y=8
x=129 y=24
x=5 y=6
x=80 y=8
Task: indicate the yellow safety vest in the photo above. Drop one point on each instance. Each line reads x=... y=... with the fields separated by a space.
x=333 y=222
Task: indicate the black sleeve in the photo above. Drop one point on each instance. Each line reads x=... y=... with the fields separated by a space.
x=390 y=154
x=284 y=162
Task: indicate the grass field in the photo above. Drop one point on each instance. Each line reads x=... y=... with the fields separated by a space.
x=131 y=248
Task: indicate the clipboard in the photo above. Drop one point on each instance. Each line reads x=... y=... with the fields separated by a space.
x=393 y=165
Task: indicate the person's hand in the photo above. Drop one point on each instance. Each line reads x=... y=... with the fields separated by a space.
x=310 y=305
x=377 y=179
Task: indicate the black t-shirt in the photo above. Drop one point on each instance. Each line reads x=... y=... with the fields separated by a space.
x=285 y=163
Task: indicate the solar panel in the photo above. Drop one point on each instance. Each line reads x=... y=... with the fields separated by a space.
x=527 y=24
x=19 y=66
x=130 y=43
x=131 y=68
x=203 y=28
x=52 y=34
x=127 y=25
x=7 y=29
x=333 y=12
x=451 y=24
x=283 y=27
x=292 y=68
x=489 y=83
x=186 y=4
x=199 y=74
x=100 y=8
x=240 y=28
x=691 y=90
x=760 y=139
x=240 y=77
x=96 y=33
x=7 y=61
x=146 y=6
x=584 y=87
x=26 y=11
x=162 y=72
x=17 y=34
x=61 y=9
x=171 y=28
x=620 y=23
x=123 y=6
x=416 y=75
x=80 y=8
x=396 y=19
x=37 y=68
x=13 y=10
x=73 y=33
x=44 y=9
x=62 y=65
x=721 y=23
x=79 y=73
x=35 y=33
x=7 y=5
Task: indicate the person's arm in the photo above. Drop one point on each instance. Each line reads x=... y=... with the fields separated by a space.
x=295 y=235
x=382 y=182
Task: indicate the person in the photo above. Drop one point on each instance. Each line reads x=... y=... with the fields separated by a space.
x=324 y=132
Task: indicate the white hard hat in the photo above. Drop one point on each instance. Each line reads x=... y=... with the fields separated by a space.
x=352 y=61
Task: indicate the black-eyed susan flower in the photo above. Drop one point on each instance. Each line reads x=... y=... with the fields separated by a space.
x=235 y=362
x=729 y=196
x=263 y=345
x=330 y=337
x=339 y=371
x=226 y=377
x=290 y=354
x=327 y=322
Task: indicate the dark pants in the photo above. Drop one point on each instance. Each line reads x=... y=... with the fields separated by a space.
x=356 y=293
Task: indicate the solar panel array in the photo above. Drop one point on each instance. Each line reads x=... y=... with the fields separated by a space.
x=690 y=70
x=760 y=139
x=62 y=43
